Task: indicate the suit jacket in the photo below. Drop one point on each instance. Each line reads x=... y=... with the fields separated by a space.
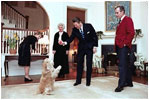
x=124 y=33
x=90 y=39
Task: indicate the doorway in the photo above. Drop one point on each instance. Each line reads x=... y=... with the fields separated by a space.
x=71 y=13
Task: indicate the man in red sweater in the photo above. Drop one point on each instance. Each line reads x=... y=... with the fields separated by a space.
x=124 y=35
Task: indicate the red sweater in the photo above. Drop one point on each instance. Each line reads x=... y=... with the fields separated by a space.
x=124 y=33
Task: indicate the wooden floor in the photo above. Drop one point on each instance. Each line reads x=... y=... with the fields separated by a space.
x=72 y=75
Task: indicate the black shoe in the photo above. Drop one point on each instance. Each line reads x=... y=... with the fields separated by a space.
x=129 y=85
x=27 y=80
x=75 y=84
x=118 y=89
x=88 y=84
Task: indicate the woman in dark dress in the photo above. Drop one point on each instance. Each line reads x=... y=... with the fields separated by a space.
x=25 y=53
x=61 y=52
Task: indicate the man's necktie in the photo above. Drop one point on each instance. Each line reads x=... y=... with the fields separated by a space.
x=119 y=22
x=82 y=33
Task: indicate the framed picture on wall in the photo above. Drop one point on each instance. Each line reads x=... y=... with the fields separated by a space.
x=111 y=20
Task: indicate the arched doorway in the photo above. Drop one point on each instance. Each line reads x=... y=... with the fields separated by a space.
x=37 y=16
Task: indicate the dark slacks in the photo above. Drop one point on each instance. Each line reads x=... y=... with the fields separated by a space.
x=80 y=64
x=125 y=76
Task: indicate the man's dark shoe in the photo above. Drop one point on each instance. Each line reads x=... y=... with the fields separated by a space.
x=128 y=85
x=75 y=84
x=88 y=84
x=118 y=89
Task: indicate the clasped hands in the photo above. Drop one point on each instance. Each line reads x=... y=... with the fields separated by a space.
x=60 y=42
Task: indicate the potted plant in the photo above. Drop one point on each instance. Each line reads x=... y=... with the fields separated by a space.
x=139 y=63
x=99 y=34
x=12 y=43
x=138 y=33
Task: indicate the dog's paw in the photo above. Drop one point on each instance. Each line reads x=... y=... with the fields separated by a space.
x=59 y=67
x=47 y=91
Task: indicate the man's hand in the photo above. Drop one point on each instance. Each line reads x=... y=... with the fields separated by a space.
x=31 y=50
x=64 y=43
x=54 y=51
x=67 y=52
x=94 y=49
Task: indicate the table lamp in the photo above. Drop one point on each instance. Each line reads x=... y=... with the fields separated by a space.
x=44 y=42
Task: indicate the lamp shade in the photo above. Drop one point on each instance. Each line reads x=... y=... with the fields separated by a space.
x=44 y=40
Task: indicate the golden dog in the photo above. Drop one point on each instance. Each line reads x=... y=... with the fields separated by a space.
x=49 y=73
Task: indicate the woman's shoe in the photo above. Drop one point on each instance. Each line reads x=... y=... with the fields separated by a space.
x=27 y=80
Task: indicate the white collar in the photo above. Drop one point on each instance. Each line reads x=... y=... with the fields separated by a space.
x=60 y=33
x=82 y=27
x=122 y=17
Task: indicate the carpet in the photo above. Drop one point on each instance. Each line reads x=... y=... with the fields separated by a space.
x=101 y=88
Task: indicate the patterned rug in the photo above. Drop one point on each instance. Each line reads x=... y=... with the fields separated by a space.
x=101 y=88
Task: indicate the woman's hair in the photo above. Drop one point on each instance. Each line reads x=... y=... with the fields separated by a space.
x=61 y=24
x=39 y=33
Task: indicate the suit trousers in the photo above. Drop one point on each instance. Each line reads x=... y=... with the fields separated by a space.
x=80 y=65
x=124 y=68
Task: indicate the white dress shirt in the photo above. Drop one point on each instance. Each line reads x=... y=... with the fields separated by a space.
x=60 y=36
x=122 y=17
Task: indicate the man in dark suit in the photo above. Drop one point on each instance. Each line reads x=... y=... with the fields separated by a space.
x=124 y=35
x=88 y=43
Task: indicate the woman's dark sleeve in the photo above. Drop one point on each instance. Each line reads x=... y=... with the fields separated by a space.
x=33 y=43
x=54 y=43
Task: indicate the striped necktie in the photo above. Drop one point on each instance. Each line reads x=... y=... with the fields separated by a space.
x=82 y=33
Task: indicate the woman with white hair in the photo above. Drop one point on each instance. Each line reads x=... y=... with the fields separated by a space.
x=61 y=52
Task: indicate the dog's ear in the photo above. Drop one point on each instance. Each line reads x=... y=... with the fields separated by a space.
x=45 y=60
x=44 y=64
x=52 y=62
